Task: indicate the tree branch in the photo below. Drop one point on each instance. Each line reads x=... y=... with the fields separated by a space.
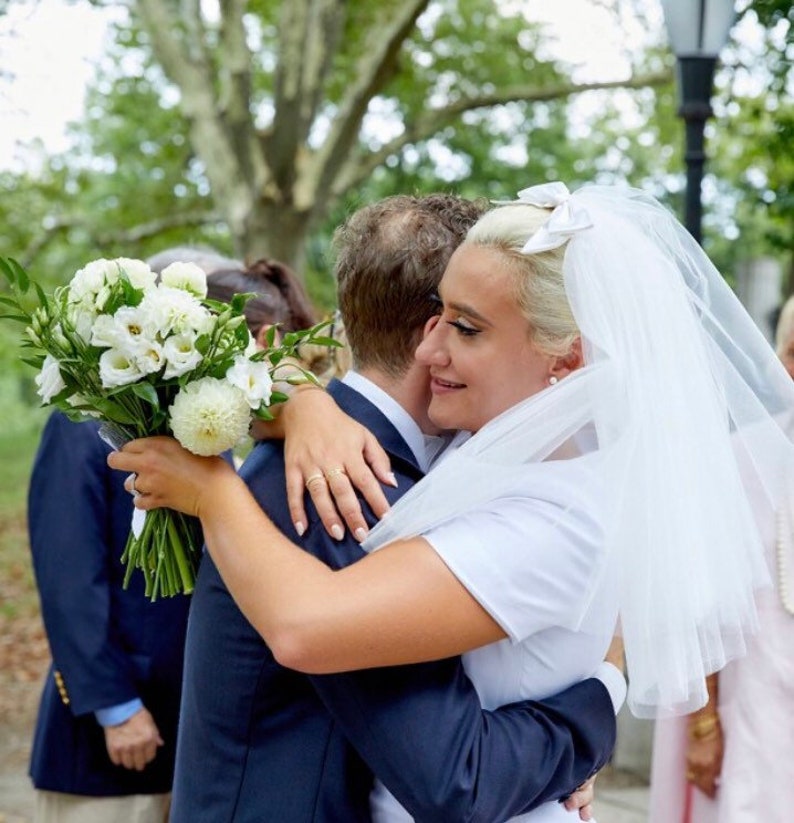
x=360 y=166
x=374 y=69
x=123 y=236
x=309 y=32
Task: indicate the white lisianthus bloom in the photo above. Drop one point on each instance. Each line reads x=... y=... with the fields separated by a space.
x=138 y=272
x=118 y=368
x=49 y=381
x=181 y=355
x=209 y=416
x=174 y=311
x=186 y=276
x=106 y=332
x=82 y=320
x=148 y=355
x=89 y=281
x=253 y=379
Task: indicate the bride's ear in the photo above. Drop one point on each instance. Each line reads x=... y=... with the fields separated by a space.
x=571 y=361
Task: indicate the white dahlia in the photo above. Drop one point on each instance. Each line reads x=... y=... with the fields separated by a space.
x=209 y=416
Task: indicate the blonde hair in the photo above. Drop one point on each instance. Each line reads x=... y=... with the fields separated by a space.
x=540 y=290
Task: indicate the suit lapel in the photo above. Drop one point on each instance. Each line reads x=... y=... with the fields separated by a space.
x=365 y=412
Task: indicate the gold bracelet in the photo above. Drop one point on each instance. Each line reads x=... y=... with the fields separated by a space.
x=701 y=727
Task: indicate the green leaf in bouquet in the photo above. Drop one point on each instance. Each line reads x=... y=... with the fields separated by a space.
x=9 y=301
x=277 y=397
x=147 y=393
x=238 y=301
x=202 y=344
x=112 y=411
x=17 y=318
x=36 y=361
x=40 y=293
x=15 y=274
x=270 y=337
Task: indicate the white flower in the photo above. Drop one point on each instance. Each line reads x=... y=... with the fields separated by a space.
x=82 y=319
x=209 y=416
x=253 y=379
x=90 y=280
x=117 y=368
x=186 y=276
x=148 y=355
x=180 y=354
x=138 y=272
x=49 y=380
x=173 y=311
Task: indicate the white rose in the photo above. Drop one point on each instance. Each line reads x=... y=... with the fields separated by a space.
x=49 y=381
x=181 y=355
x=253 y=379
x=117 y=368
x=186 y=276
x=174 y=311
x=209 y=416
x=138 y=272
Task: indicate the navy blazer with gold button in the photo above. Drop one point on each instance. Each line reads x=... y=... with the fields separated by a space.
x=109 y=645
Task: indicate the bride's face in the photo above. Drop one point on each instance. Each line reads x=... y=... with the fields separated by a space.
x=479 y=352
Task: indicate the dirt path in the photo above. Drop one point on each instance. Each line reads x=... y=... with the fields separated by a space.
x=24 y=657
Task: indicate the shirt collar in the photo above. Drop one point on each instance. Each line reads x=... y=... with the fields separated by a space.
x=394 y=413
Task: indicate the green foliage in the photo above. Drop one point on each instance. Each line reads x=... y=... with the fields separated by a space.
x=132 y=167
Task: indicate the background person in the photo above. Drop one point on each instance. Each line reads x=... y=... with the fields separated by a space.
x=719 y=763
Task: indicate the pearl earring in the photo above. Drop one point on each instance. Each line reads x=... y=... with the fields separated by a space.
x=552 y=380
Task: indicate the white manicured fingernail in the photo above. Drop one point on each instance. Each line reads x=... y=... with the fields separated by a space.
x=360 y=534
x=392 y=479
x=337 y=532
x=300 y=528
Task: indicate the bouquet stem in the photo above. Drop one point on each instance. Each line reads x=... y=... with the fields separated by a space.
x=167 y=552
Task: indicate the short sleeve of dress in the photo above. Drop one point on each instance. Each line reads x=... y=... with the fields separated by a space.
x=533 y=558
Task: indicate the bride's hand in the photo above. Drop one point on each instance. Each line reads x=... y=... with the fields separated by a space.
x=331 y=455
x=165 y=475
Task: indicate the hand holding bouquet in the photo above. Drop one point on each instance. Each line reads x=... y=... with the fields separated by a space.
x=148 y=358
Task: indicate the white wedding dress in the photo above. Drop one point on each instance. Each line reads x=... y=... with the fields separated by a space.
x=534 y=571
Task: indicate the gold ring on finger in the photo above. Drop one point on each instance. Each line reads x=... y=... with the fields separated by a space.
x=314 y=478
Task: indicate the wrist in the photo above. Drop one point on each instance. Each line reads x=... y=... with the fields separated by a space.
x=703 y=726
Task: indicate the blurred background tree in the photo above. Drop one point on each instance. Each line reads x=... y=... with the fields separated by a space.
x=255 y=126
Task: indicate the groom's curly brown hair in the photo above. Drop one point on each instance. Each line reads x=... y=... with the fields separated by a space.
x=390 y=258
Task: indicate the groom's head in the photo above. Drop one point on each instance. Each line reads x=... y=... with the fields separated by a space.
x=390 y=258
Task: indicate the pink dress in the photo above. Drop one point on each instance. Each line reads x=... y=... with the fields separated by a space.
x=756 y=706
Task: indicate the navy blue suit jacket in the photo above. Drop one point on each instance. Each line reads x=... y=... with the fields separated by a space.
x=108 y=645
x=259 y=742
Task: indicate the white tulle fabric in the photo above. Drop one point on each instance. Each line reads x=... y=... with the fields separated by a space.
x=677 y=381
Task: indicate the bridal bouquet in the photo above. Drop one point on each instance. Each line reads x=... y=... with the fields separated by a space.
x=151 y=357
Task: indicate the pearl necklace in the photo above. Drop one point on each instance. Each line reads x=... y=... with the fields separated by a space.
x=783 y=528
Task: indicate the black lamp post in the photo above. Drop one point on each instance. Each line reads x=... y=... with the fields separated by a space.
x=698 y=30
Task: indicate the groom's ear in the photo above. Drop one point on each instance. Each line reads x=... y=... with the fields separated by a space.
x=571 y=361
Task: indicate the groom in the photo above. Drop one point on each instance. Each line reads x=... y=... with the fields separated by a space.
x=258 y=742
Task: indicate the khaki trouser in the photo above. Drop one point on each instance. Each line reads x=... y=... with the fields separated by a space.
x=56 y=807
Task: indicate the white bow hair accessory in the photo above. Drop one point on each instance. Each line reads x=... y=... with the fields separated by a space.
x=565 y=221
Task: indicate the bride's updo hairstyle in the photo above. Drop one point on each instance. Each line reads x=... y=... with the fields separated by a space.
x=540 y=290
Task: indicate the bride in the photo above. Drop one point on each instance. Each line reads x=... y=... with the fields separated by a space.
x=607 y=376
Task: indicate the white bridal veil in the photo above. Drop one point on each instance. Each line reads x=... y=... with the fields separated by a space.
x=678 y=385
